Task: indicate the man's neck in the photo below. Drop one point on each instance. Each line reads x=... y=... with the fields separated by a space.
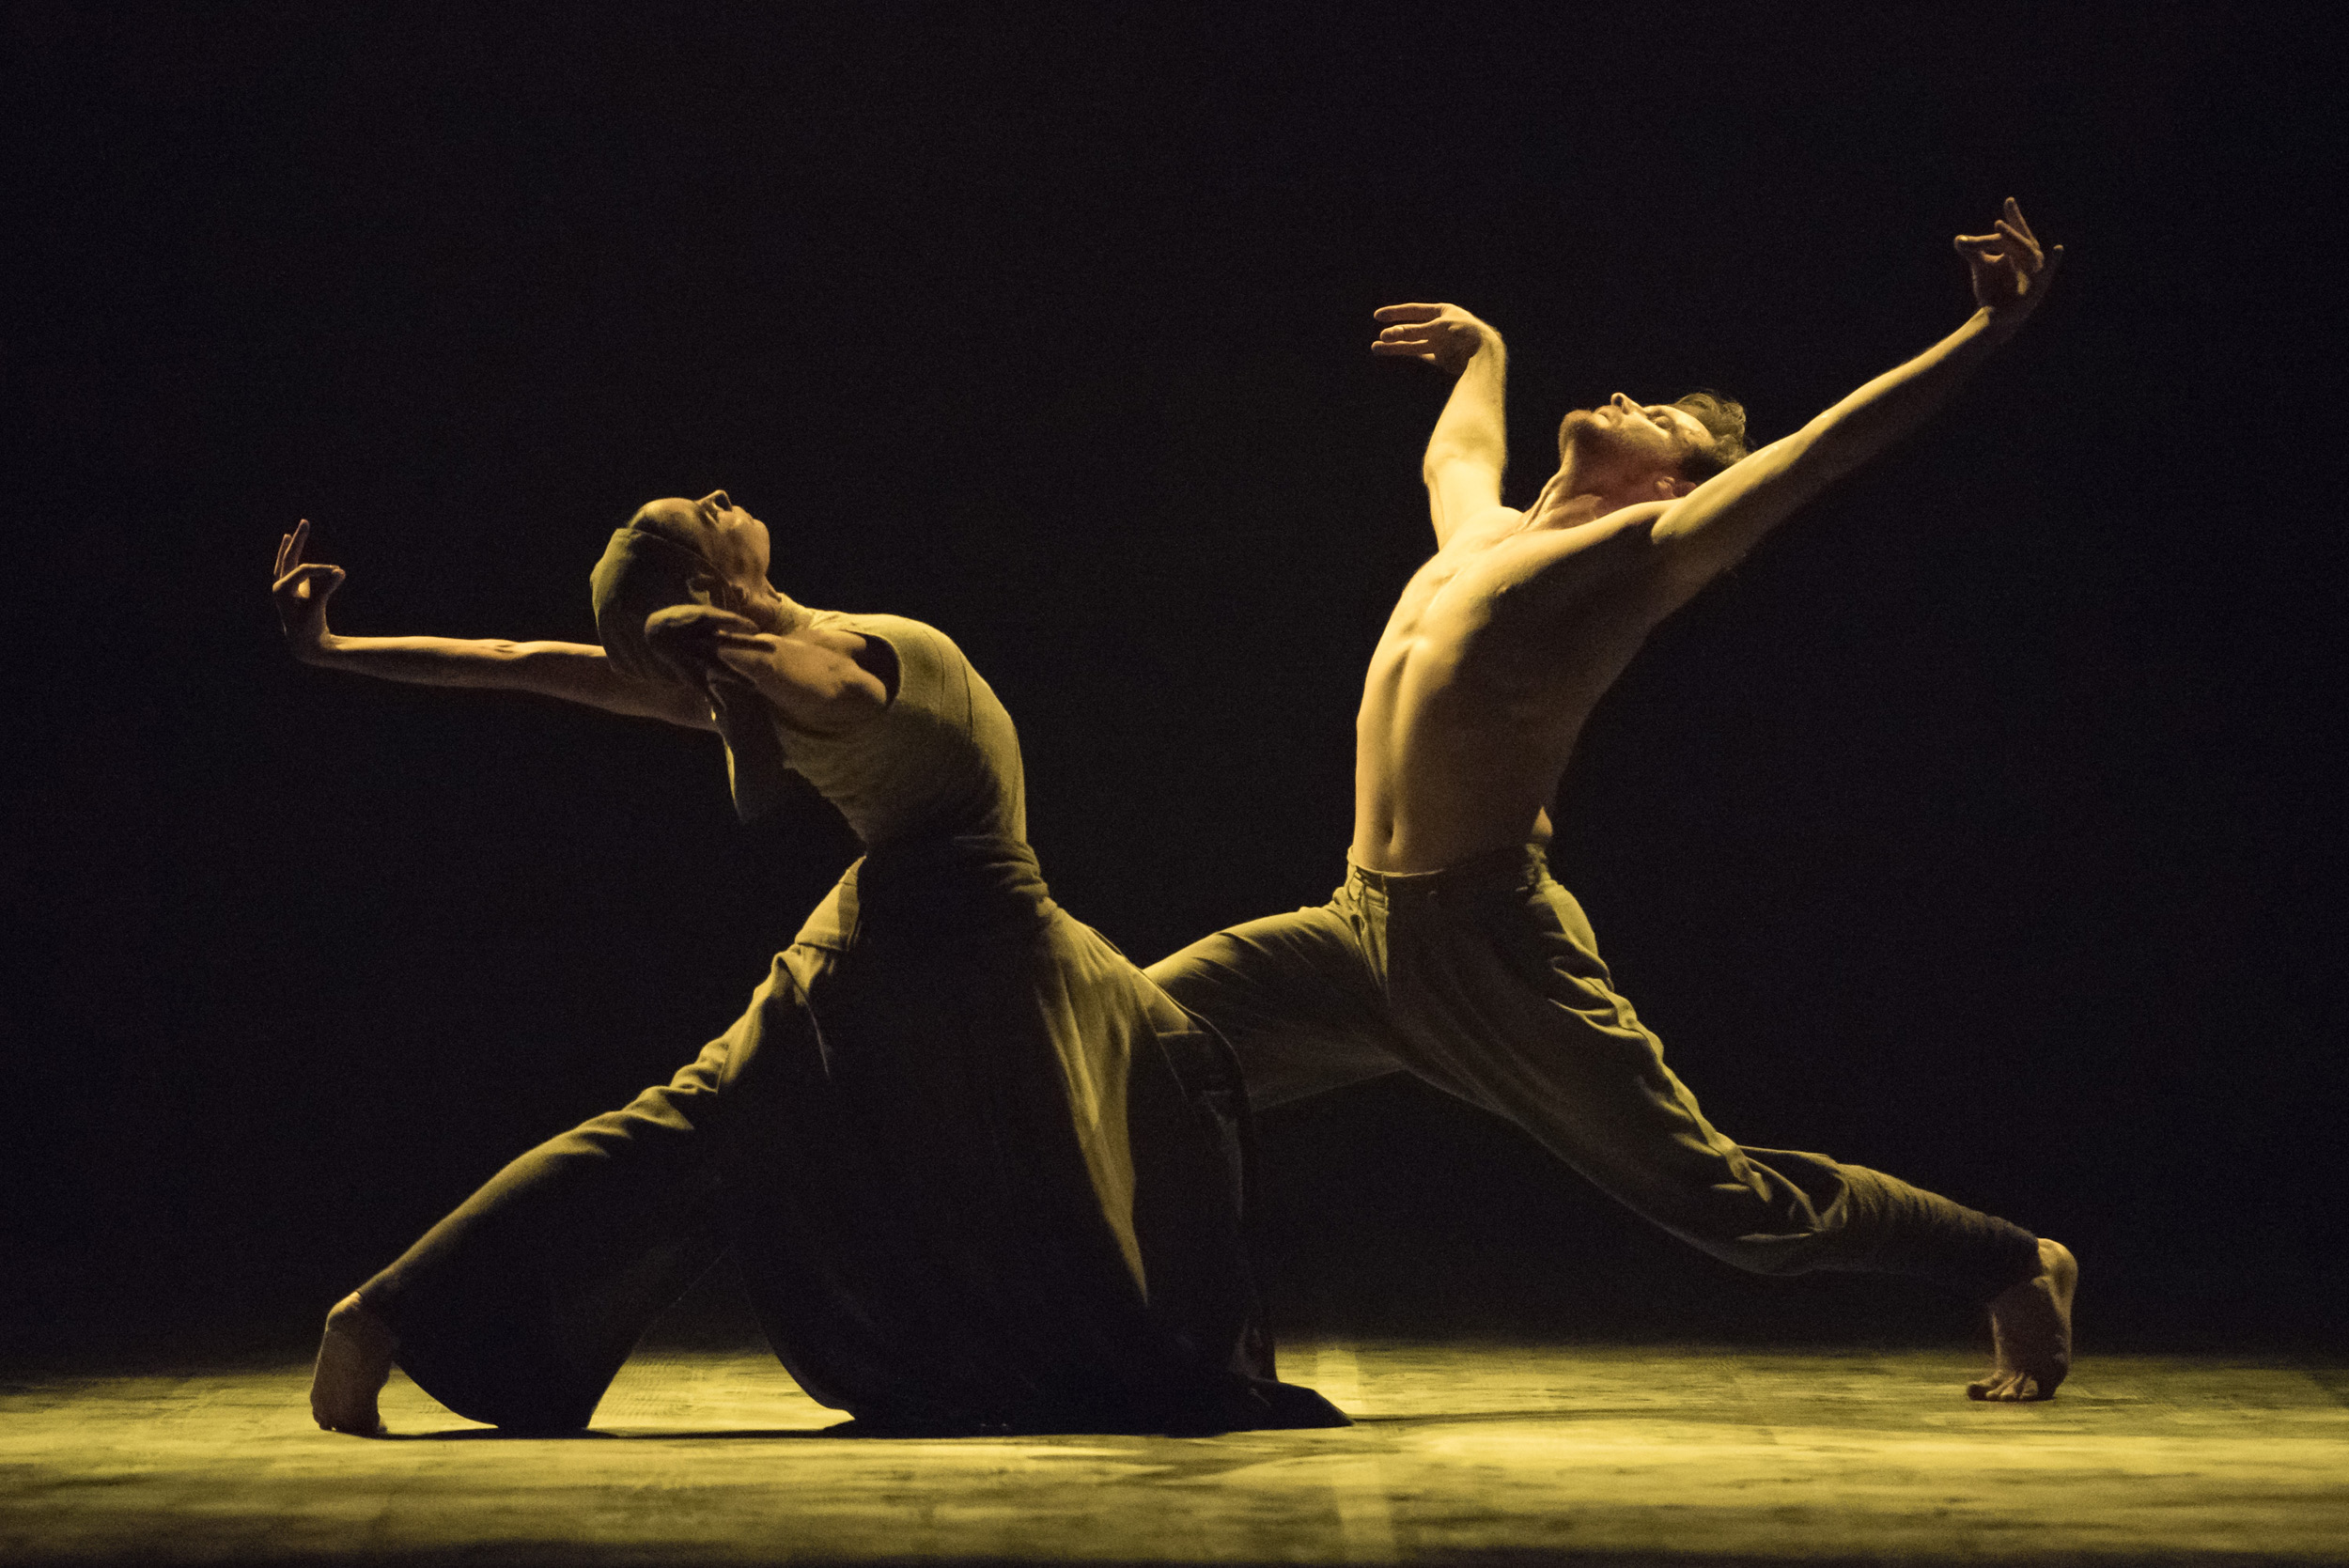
x=1566 y=511
x=1567 y=503
x=1563 y=508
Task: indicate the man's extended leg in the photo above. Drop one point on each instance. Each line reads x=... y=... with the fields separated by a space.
x=1501 y=998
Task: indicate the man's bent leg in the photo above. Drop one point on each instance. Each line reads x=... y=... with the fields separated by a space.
x=519 y=1307
x=1294 y=997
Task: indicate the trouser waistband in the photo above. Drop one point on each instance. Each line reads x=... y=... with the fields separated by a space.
x=1510 y=869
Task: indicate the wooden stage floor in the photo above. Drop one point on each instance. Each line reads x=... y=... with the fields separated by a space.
x=1463 y=1454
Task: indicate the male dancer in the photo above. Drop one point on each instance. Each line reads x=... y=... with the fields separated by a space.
x=1452 y=953
x=979 y=1173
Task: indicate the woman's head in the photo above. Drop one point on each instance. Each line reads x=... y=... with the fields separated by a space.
x=735 y=544
x=677 y=551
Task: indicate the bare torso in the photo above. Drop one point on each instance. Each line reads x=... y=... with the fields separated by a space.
x=1496 y=653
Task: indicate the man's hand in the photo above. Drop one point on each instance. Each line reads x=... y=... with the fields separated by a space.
x=1441 y=335
x=1470 y=445
x=2010 y=272
x=301 y=589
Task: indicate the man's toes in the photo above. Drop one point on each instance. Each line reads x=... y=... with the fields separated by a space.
x=2011 y=1388
x=1998 y=1388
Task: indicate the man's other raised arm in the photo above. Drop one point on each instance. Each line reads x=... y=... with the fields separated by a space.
x=1470 y=445
x=574 y=671
x=1715 y=523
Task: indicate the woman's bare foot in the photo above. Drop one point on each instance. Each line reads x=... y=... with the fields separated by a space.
x=355 y=1362
x=2030 y=1329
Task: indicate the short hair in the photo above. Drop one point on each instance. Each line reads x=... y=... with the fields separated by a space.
x=1725 y=418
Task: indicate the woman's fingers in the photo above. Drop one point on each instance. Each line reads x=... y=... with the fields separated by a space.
x=297 y=583
x=290 y=548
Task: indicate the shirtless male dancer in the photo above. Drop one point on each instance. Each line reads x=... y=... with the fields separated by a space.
x=1452 y=953
x=978 y=1172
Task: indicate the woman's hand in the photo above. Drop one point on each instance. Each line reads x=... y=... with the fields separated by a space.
x=301 y=589
x=686 y=638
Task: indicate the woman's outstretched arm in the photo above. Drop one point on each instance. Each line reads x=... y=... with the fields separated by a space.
x=575 y=671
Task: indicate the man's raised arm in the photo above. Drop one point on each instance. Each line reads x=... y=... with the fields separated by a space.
x=1715 y=523
x=1470 y=445
x=575 y=671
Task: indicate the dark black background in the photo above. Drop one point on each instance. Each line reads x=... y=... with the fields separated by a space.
x=1977 y=828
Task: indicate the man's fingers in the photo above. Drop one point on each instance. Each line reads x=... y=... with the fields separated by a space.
x=1406 y=313
x=2014 y=216
x=2046 y=272
x=1415 y=350
x=2018 y=243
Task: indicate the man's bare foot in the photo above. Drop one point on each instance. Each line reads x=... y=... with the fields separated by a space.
x=2030 y=1328
x=355 y=1362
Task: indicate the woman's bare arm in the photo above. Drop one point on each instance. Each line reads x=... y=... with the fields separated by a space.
x=574 y=671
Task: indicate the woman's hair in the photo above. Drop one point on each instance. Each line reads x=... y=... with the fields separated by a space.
x=642 y=572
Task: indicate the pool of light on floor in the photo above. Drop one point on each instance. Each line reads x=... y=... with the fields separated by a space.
x=1461 y=1451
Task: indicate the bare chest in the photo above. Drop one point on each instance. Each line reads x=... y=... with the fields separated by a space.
x=1525 y=614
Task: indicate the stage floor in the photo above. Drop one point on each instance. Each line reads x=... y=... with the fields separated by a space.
x=1463 y=1452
